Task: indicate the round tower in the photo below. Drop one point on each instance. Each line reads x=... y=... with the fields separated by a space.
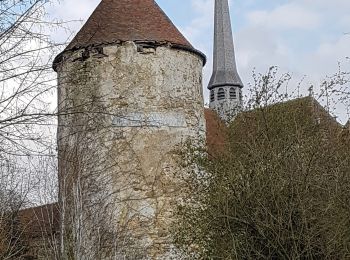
x=130 y=99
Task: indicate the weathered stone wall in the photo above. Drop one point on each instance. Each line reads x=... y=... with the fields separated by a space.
x=126 y=111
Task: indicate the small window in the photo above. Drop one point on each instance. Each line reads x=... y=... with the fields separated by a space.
x=212 y=95
x=240 y=96
x=221 y=94
x=233 y=94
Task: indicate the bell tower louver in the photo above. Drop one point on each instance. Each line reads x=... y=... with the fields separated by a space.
x=225 y=84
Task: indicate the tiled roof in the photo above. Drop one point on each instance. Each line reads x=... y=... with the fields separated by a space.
x=127 y=20
x=217 y=133
x=302 y=115
x=40 y=221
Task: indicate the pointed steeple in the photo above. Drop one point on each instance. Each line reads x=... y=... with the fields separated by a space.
x=127 y=20
x=224 y=65
x=225 y=84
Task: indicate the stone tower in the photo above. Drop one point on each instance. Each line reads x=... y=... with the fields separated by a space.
x=130 y=98
x=225 y=84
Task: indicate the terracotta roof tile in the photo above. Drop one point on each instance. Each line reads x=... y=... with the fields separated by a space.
x=40 y=221
x=217 y=133
x=127 y=20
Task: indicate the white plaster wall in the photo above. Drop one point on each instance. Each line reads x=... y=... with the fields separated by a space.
x=126 y=113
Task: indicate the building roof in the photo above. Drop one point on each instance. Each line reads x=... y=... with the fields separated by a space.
x=40 y=221
x=118 y=21
x=127 y=20
x=248 y=124
x=216 y=134
x=303 y=115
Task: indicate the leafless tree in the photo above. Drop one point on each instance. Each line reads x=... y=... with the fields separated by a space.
x=27 y=117
x=281 y=189
x=26 y=78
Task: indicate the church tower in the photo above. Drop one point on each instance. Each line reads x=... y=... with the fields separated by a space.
x=130 y=98
x=225 y=84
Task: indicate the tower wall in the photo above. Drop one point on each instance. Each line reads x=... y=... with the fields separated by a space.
x=126 y=113
x=226 y=101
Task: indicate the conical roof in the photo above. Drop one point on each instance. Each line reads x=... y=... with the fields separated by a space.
x=127 y=20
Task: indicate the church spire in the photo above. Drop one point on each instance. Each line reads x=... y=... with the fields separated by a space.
x=225 y=84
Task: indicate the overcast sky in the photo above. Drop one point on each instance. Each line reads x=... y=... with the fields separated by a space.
x=303 y=37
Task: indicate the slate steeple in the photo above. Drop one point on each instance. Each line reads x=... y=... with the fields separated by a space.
x=225 y=84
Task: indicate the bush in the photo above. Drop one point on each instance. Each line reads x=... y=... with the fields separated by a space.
x=280 y=191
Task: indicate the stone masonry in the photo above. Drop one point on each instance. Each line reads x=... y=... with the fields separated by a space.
x=126 y=111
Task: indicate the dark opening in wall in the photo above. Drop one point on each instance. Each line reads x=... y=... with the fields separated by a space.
x=221 y=94
x=212 y=95
x=233 y=94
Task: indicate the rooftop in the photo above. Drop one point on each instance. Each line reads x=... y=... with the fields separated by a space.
x=127 y=20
